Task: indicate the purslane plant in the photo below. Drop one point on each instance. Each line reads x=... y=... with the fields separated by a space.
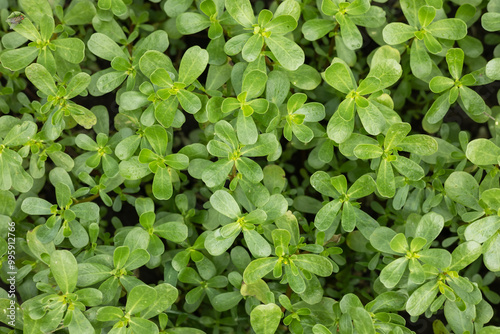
x=235 y=166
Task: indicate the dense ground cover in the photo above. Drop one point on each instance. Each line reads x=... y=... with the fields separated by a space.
x=185 y=166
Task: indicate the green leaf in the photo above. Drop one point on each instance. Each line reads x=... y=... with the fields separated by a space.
x=455 y=60
x=392 y=273
x=246 y=129
x=426 y=15
x=77 y=85
x=459 y=320
x=429 y=227
x=296 y=282
x=217 y=172
x=140 y=325
x=266 y=144
x=396 y=133
x=84 y=142
x=216 y=244
x=249 y=169
x=168 y=295
x=338 y=75
x=380 y=239
x=86 y=210
x=109 y=81
x=70 y=49
x=473 y=103
x=258 y=269
x=422 y=298
x=20 y=134
x=219 y=149
x=36 y=206
x=482 y=229
x=316 y=28
x=120 y=256
x=162 y=184
x=92 y=273
x=152 y=60
x=491 y=251
x=339 y=183
x=254 y=83
x=368 y=151
x=157 y=137
x=399 y=243
x=464 y=255
x=27 y=29
x=371 y=84
x=326 y=215
x=420 y=61
x=286 y=51
x=440 y=84
x=315 y=264
x=493 y=69
x=63 y=195
x=320 y=329
x=385 y=179
x=133 y=169
x=462 y=188
x=161 y=78
x=64 y=268
x=82 y=115
x=42 y=79
x=362 y=187
x=422 y=145
x=190 y=23
x=173 y=231
x=492 y=198
x=265 y=319
x=397 y=33
x=482 y=152
x=489 y=21
x=226 y=301
x=139 y=298
x=453 y=29
x=282 y=24
x=189 y=101
x=432 y=44
x=223 y=202
x=439 y=258
x=372 y=119
x=193 y=64
x=252 y=48
x=104 y=47
x=235 y=45
x=362 y=321
x=138 y=258
x=241 y=11
x=346 y=110
x=79 y=323
x=257 y=245
x=387 y=301
x=408 y=168
x=349 y=31
x=109 y=313
x=46 y=27
x=18 y=59
x=358 y=7
x=302 y=132
x=175 y=7
x=80 y=13
x=439 y=108
x=338 y=129
x=304 y=77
